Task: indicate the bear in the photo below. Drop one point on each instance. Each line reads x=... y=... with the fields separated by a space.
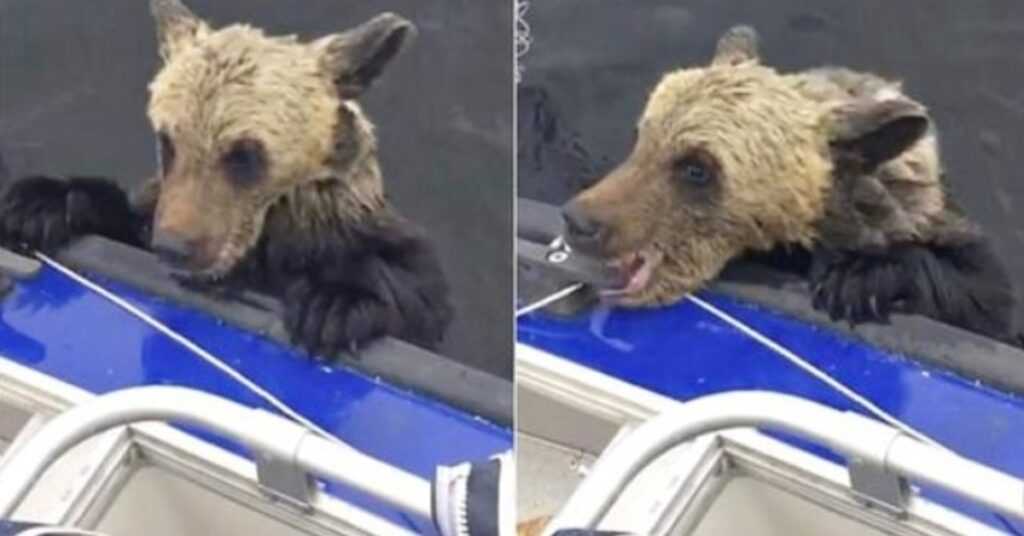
x=736 y=158
x=267 y=179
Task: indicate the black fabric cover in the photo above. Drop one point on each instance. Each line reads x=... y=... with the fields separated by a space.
x=483 y=498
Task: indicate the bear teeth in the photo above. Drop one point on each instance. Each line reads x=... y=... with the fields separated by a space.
x=637 y=270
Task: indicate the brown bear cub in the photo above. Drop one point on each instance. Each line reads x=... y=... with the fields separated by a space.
x=736 y=157
x=268 y=179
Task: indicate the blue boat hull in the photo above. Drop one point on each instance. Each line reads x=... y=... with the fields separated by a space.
x=57 y=327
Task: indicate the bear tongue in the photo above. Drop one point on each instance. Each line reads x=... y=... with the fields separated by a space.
x=637 y=269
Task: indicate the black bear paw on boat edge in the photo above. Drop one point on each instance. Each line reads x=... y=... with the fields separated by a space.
x=46 y=213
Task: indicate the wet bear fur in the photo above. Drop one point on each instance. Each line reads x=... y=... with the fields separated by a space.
x=736 y=158
x=268 y=179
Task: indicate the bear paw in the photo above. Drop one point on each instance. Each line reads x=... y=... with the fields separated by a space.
x=33 y=215
x=43 y=213
x=325 y=320
x=856 y=288
x=964 y=285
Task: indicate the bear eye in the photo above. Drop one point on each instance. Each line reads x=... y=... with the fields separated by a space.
x=164 y=153
x=695 y=169
x=245 y=162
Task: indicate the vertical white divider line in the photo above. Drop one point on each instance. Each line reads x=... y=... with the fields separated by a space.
x=522 y=38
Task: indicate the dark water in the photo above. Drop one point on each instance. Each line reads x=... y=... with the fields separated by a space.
x=73 y=79
x=592 y=63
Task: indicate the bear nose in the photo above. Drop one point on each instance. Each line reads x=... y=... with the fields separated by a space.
x=173 y=249
x=578 y=224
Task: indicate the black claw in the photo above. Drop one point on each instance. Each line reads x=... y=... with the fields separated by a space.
x=859 y=288
x=334 y=330
x=49 y=235
x=832 y=299
x=78 y=209
x=834 y=311
x=323 y=320
x=31 y=230
x=312 y=328
x=873 y=308
x=818 y=298
x=296 y=303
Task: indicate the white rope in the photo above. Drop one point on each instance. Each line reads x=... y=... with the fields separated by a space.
x=789 y=355
x=191 y=346
x=548 y=300
x=814 y=371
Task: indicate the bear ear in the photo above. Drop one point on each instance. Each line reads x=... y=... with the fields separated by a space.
x=355 y=58
x=175 y=25
x=876 y=131
x=736 y=46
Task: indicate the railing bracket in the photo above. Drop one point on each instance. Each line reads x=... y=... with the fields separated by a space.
x=879 y=488
x=285 y=482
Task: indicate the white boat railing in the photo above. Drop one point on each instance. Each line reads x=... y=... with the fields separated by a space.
x=871 y=446
x=285 y=448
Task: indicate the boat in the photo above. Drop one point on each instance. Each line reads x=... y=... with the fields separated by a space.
x=149 y=407
x=741 y=410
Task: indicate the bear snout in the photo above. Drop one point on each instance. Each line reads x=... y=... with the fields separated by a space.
x=176 y=250
x=582 y=230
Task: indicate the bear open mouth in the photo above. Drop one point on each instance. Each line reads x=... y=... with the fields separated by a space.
x=636 y=270
x=214 y=270
x=198 y=275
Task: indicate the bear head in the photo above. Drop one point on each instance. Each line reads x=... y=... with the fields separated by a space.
x=243 y=119
x=728 y=158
